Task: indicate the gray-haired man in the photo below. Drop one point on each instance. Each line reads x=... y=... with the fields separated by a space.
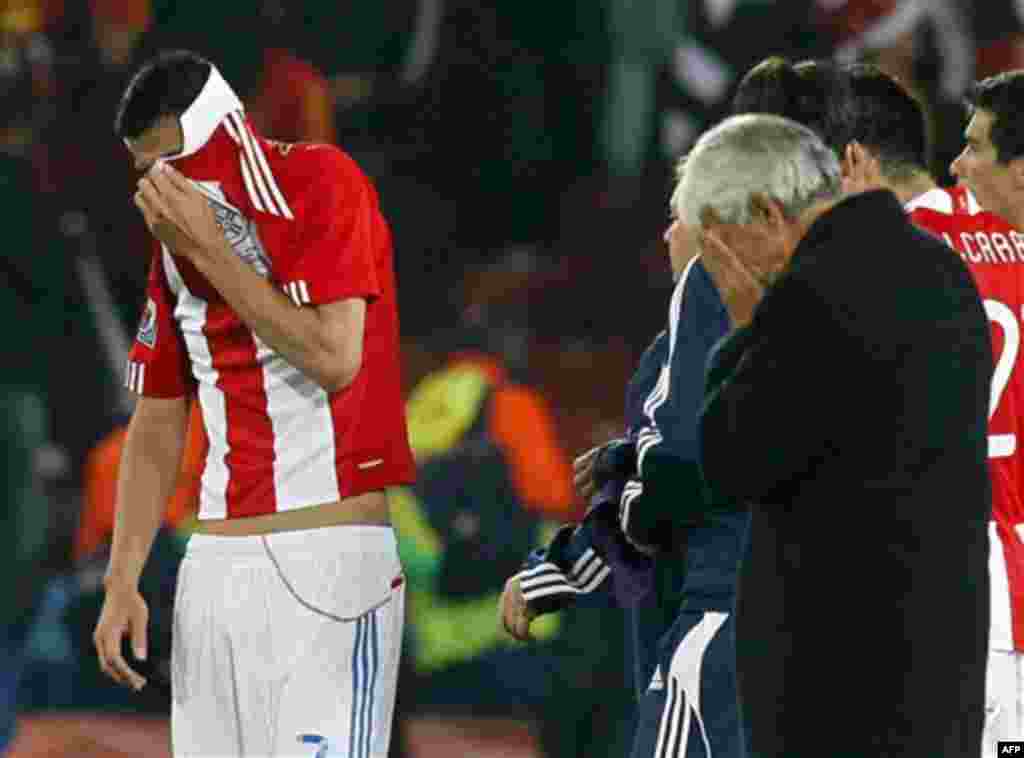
x=850 y=411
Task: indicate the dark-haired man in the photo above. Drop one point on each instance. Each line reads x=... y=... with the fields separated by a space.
x=991 y=166
x=866 y=116
x=992 y=162
x=271 y=296
x=888 y=147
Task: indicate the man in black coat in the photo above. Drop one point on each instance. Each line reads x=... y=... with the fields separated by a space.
x=849 y=410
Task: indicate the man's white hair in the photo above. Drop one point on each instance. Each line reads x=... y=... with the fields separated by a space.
x=751 y=154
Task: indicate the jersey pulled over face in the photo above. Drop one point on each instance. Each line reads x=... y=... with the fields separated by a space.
x=994 y=253
x=305 y=218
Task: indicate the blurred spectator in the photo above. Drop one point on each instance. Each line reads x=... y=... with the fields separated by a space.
x=485 y=129
x=492 y=478
x=294 y=102
x=101 y=471
x=25 y=521
x=937 y=48
x=24 y=433
x=719 y=42
x=30 y=307
x=998 y=29
x=32 y=278
x=372 y=50
x=85 y=171
x=643 y=37
x=22 y=26
x=63 y=671
x=478 y=102
x=259 y=51
x=118 y=26
x=491 y=472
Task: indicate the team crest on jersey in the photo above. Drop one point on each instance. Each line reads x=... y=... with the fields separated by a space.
x=240 y=232
x=147 y=327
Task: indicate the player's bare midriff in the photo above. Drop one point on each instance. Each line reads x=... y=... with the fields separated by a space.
x=367 y=509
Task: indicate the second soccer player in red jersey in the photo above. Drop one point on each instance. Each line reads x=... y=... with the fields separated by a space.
x=993 y=250
x=991 y=166
x=271 y=297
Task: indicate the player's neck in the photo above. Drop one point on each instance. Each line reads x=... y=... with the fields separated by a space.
x=1014 y=214
x=912 y=188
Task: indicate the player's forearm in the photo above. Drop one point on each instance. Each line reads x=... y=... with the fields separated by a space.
x=295 y=333
x=150 y=462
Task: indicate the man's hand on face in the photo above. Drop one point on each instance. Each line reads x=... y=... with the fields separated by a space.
x=739 y=259
x=177 y=213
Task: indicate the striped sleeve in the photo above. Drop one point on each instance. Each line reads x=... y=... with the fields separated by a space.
x=342 y=234
x=668 y=488
x=158 y=364
x=261 y=184
x=568 y=570
x=651 y=435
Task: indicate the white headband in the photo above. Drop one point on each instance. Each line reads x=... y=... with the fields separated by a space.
x=201 y=119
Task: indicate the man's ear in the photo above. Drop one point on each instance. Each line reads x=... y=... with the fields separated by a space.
x=1016 y=167
x=709 y=218
x=766 y=210
x=860 y=170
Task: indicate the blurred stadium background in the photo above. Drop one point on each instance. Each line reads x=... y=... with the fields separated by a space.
x=523 y=152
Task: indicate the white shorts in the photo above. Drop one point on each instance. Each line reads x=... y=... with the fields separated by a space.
x=287 y=644
x=1004 y=704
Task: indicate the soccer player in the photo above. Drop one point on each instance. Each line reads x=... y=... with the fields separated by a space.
x=272 y=297
x=991 y=166
x=888 y=148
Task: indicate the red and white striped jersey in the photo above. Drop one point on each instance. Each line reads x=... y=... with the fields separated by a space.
x=305 y=217
x=994 y=252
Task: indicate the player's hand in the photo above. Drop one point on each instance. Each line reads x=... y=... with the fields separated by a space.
x=516 y=615
x=124 y=613
x=177 y=213
x=583 y=473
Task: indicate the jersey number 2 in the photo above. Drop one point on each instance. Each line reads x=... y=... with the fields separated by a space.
x=1002 y=445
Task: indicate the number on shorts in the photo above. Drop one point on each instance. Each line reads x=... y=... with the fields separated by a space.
x=320 y=743
x=1002 y=445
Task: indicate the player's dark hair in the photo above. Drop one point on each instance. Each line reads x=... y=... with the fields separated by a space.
x=809 y=92
x=1002 y=95
x=887 y=119
x=164 y=86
